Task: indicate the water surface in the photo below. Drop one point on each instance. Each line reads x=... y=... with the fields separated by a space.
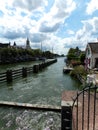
x=45 y=87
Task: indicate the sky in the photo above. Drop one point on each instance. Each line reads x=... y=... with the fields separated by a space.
x=57 y=25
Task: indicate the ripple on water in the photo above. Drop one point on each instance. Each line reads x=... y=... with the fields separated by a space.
x=42 y=88
x=31 y=120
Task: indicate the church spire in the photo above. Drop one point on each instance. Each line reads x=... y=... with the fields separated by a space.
x=28 y=44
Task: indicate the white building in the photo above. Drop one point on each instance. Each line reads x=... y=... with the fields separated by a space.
x=91 y=60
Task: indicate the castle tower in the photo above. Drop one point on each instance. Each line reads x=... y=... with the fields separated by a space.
x=28 y=44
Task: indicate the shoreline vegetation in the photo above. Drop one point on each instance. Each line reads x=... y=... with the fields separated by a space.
x=17 y=55
x=75 y=59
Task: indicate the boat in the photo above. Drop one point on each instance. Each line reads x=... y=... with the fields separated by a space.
x=67 y=69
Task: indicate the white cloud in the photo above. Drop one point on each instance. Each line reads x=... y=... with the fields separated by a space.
x=92 y=6
x=49 y=28
x=87 y=33
x=26 y=20
x=30 y=4
x=70 y=32
x=58 y=13
x=56 y=43
x=64 y=8
x=38 y=37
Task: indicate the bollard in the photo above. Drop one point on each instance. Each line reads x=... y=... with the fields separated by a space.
x=40 y=67
x=9 y=76
x=66 y=116
x=35 y=68
x=24 y=72
x=43 y=65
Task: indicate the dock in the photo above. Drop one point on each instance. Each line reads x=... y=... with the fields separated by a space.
x=67 y=69
x=31 y=106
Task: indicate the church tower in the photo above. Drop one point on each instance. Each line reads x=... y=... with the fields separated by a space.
x=14 y=45
x=28 y=44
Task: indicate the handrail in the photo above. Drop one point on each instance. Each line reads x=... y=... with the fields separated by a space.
x=81 y=92
x=88 y=106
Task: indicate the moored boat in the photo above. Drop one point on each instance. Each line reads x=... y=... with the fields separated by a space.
x=67 y=69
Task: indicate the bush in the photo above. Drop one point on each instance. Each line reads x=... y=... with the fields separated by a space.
x=78 y=70
x=75 y=63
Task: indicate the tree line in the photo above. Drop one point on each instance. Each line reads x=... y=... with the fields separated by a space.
x=75 y=56
x=13 y=55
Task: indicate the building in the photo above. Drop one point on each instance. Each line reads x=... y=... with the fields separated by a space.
x=4 y=45
x=14 y=45
x=7 y=45
x=91 y=60
x=28 y=44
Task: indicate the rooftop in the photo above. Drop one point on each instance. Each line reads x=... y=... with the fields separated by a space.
x=94 y=46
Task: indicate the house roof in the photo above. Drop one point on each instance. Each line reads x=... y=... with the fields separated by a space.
x=94 y=47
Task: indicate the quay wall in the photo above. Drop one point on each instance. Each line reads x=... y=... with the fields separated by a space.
x=10 y=75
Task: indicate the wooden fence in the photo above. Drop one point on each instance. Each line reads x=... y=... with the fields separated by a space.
x=10 y=75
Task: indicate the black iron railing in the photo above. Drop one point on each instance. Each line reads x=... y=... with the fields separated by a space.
x=85 y=109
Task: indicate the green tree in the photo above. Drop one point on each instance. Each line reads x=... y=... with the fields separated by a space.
x=82 y=58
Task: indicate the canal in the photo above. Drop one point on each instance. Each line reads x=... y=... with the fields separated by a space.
x=45 y=87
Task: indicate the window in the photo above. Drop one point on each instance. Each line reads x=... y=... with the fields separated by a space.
x=88 y=51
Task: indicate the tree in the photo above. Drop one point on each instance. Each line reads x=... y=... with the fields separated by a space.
x=82 y=58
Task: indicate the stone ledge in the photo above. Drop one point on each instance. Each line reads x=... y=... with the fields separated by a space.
x=69 y=103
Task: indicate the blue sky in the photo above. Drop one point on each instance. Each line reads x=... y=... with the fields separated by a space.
x=56 y=24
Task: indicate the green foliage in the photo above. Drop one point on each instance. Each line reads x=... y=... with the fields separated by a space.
x=75 y=56
x=75 y=63
x=48 y=54
x=10 y=55
x=78 y=70
x=37 y=52
x=73 y=53
x=71 y=56
x=82 y=58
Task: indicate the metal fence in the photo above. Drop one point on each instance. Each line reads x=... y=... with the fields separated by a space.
x=85 y=109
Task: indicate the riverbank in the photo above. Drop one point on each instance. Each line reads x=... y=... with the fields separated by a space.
x=16 y=55
x=85 y=77
x=77 y=72
x=21 y=59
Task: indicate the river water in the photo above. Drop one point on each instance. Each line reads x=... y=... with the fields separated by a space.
x=46 y=87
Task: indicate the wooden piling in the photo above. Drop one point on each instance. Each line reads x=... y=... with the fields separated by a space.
x=35 y=68
x=9 y=76
x=40 y=67
x=24 y=72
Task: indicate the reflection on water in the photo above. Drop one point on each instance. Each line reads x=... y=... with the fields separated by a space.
x=45 y=87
